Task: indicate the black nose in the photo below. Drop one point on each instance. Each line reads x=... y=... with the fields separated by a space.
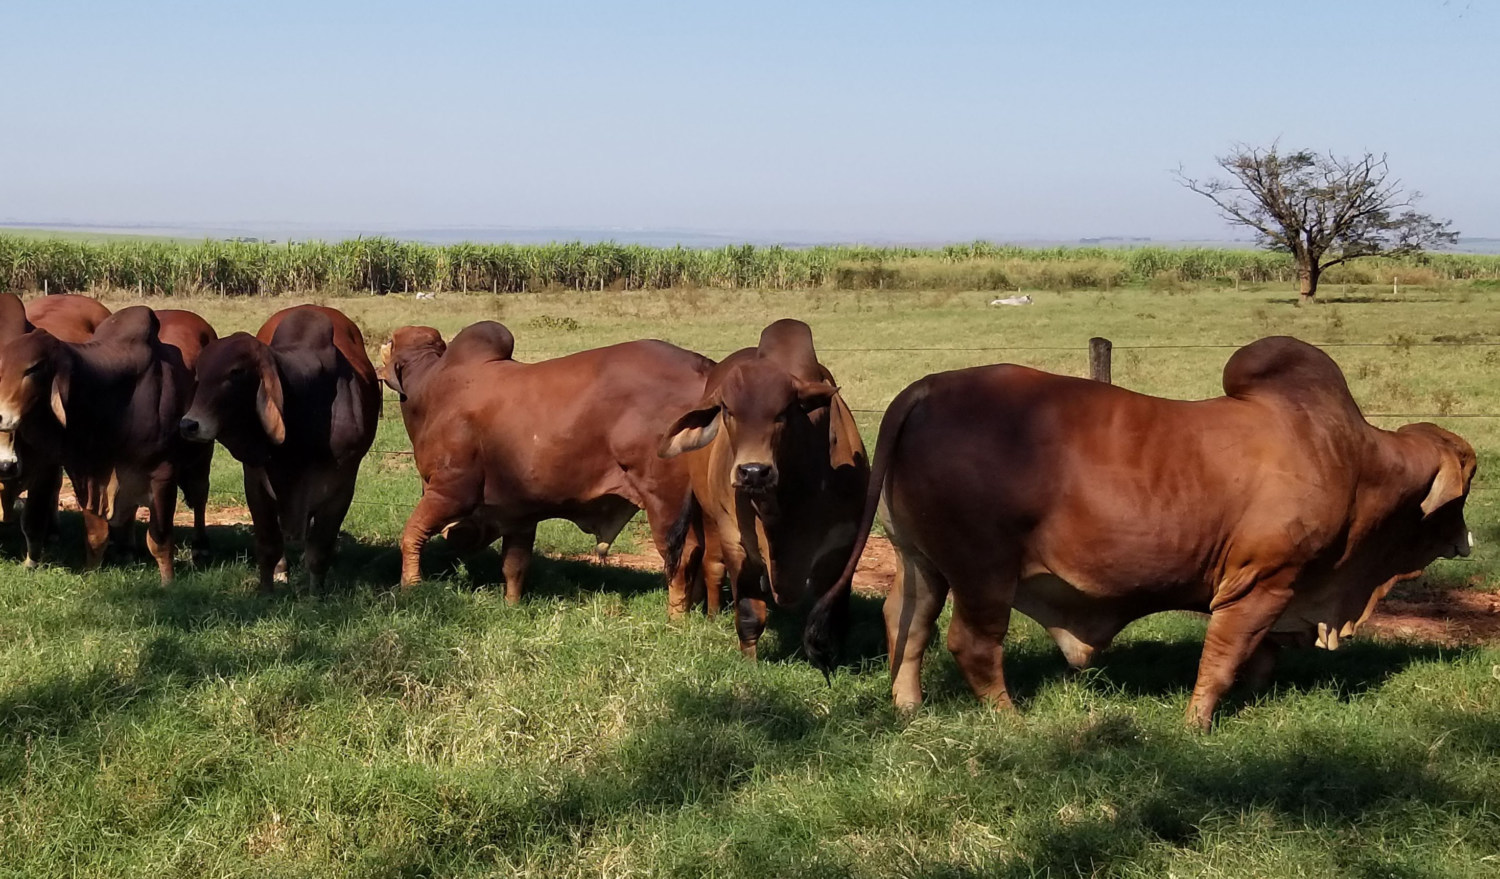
x=10 y=469
x=189 y=427
x=755 y=476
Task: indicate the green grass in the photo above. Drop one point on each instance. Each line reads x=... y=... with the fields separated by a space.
x=203 y=731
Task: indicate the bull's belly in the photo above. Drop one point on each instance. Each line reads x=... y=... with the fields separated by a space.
x=1092 y=616
x=603 y=517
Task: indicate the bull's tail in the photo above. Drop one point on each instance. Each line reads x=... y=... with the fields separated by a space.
x=677 y=534
x=825 y=623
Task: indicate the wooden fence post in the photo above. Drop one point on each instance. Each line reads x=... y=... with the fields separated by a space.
x=1099 y=351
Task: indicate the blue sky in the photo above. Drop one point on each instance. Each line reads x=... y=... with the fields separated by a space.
x=923 y=121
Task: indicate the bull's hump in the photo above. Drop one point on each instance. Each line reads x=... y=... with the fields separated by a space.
x=136 y=324
x=481 y=342
x=789 y=344
x=303 y=328
x=1285 y=367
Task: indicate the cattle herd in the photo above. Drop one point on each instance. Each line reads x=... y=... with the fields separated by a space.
x=1276 y=509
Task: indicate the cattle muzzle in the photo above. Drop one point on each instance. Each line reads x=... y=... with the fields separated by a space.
x=10 y=462
x=755 y=479
x=195 y=430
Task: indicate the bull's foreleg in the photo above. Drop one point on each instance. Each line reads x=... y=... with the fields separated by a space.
x=265 y=523
x=193 y=479
x=750 y=605
x=713 y=572
x=163 y=509
x=39 y=517
x=515 y=559
x=95 y=539
x=10 y=492
x=1236 y=629
x=438 y=507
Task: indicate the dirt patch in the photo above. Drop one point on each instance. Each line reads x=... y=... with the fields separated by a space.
x=1451 y=617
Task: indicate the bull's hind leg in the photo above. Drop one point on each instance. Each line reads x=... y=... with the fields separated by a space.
x=685 y=580
x=515 y=559
x=911 y=611
x=323 y=534
x=163 y=508
x=976 y=636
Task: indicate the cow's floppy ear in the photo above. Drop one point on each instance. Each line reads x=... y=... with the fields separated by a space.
x=692 y=431
x=62 y=379
x=845 y=448
x=814 y=395
x=387 y=371
x=1447 y=485
x=269 y=402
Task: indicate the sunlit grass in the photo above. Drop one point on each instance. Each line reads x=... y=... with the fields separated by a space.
x=202 y=730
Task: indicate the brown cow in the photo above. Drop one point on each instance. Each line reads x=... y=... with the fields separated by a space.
x=501 y=445
x=189 y=334
x=109 y=408
x=297 y=404
x=1277 y=509
x=778 y=474
x=13 y=324
x=68 y=316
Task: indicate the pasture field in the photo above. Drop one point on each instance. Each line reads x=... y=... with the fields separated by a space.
x=201 y=730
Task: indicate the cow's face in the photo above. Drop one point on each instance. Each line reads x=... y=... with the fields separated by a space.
x=238 y=400
x=1425 y=523
x=1443 y=488
x=755 y=407
x=33 y=379
x=406 y=344
x=33 y=374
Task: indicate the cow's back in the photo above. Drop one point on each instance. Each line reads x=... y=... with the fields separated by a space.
x=315 y=345
x=67 y=316
x=187 y=332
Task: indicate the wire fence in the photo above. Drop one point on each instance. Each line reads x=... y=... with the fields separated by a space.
x=1398 y=344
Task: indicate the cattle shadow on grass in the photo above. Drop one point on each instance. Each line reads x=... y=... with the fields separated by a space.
x=1167 y=668
x=864 y=643
x=718 y=749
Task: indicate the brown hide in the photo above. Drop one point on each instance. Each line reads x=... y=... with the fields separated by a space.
x=68 y=316
x=298 y=406
x=1277 y=508
x=501 y=445
x=778 y=472
x=107 y=409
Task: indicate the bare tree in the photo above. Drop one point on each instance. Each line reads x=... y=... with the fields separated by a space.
x=1322 y=209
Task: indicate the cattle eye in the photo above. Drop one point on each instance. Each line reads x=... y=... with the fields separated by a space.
x=35 y=368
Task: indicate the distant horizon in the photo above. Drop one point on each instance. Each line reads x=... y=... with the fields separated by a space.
x=662 y=237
